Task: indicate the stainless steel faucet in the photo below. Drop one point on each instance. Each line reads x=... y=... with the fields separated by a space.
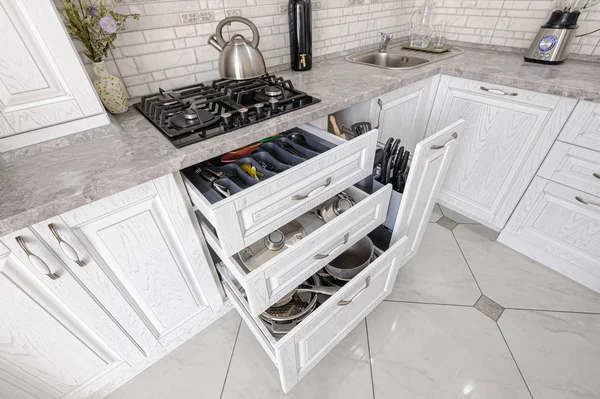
x=385 y=39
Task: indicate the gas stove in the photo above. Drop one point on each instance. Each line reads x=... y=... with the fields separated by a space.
x=198 y=112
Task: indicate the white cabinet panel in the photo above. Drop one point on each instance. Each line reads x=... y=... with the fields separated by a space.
x=150 y=270
x=507 y=134
x=559 y=227
x=404 y=113
x=45 y=350
x=583 y=127
x=42 y=80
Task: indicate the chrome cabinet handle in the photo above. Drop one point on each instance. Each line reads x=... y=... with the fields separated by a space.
x=318 y=189
x=596 y=175
x=323 y=256
x=35 y=260
x=499 y=92
x=439 y=147
x=66 y=247
x=584 y=202
x=344 y=302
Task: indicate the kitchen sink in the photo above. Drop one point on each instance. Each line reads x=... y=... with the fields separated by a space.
x=388 y=60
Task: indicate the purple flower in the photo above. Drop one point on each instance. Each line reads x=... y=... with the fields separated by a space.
x=93 y=11
x=108 y=24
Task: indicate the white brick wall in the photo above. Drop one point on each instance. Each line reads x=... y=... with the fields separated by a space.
x=167 y=46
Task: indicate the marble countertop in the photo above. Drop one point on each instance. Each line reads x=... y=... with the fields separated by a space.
x=40 y=186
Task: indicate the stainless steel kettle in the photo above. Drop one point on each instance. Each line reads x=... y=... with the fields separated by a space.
x=239 y=59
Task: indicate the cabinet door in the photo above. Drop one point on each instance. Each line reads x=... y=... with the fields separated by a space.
x=404 y=113
x=583 y=127
x=149 y=269
x=42 y=81
x=559 y=227
x=46 y=351
x=430 y=163
x=508 y=132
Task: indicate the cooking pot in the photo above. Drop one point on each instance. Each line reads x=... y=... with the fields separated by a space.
x=240 y=59
x=352 y=261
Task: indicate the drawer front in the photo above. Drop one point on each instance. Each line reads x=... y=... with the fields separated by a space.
x=583 y=127
x=276 y=278
x=296 y=353
x=559 y=227
x=258 y=210
x=573 y=166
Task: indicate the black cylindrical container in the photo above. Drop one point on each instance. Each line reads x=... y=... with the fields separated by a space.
x=300 y=34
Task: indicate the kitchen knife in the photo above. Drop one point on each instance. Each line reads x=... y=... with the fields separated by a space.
x=378 y=157
x=388 y=171
x=404 y=163
x=395 y=146
x=396 y=169
x=386 y=158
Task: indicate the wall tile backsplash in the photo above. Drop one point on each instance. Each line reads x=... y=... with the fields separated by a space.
x=167 y=47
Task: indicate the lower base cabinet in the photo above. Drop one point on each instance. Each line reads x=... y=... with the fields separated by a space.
x=558 y=226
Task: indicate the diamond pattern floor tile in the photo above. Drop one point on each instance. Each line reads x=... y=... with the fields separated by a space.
x=447 y=223
x=196 y=369
x=515 y=281
x=439 y=351
x=489 y=308
x=438 y=272
x=558 y=353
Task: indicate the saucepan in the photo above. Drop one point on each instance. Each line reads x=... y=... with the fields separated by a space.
x=352 y=261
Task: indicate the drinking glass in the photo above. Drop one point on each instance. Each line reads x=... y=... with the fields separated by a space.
x=438 y=34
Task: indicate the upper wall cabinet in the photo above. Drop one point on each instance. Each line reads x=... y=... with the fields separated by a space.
x=507 y=134
x=404 y=113
x=43 y=84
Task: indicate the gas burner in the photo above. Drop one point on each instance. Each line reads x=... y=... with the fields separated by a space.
x=192 y=117
x=191 y=114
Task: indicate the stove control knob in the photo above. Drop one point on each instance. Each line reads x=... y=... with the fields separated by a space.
x=274 y=103
x=260 y=110
x=227 y=119
x=243 y=114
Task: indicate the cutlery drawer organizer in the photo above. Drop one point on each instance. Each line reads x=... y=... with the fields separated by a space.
x=274 y=279
x=299 y=350
x=254 y=211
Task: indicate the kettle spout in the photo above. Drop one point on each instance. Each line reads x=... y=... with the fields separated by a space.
x=213 y=42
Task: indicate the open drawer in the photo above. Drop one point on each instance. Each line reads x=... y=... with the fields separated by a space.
x=274 y=279
x=254 y=212
x=298 y=351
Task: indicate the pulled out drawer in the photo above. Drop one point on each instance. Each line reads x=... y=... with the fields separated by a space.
x=299 y=350
x=573 y=166
x=255 y=211
x=274 y=279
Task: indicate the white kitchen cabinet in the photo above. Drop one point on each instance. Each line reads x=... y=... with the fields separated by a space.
x=508 y=132
x=44 y=90
x=404 y=113
x=145 y=263
x=558 y=226
x=583 y=127
x=46 y=350
x=306 y=343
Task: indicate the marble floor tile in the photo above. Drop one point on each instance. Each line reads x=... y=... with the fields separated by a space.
x=489 y=308
x=447 y=223
x=436 y=214
x=515 y=281
x=457 y=217
x=558 y=353
x=196 y=369
x=344 y=373
x=438 y=272
x=439 y=351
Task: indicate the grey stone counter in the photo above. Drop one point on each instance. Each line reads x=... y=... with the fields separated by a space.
x=43 y=185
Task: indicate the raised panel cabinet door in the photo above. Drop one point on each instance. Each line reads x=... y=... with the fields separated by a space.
x=42 y=81
x=507 y=134
x=430 y=163
x=559 y=227
x=583 y=127
x=150 y=269
x=46 y=351
x=404 y=113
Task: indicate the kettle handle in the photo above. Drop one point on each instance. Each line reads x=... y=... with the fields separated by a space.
x=228 y=21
